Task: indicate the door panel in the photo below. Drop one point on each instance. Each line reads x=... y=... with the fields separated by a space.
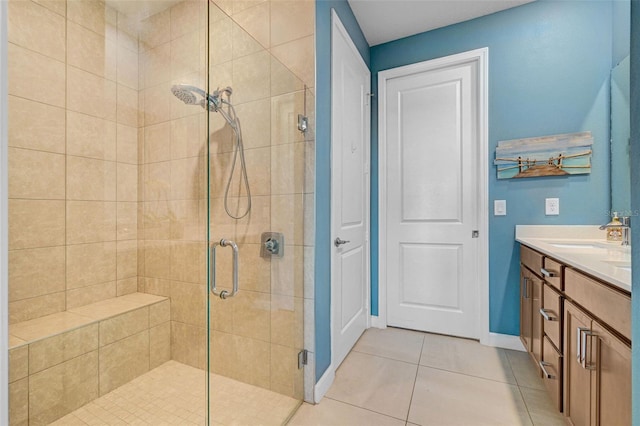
x=577 y=380
x=432 y=197
x=349 y=198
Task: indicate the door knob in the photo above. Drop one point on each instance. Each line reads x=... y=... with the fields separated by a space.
x=338 y=242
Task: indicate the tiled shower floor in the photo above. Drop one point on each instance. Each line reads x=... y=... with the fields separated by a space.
x=174 y=394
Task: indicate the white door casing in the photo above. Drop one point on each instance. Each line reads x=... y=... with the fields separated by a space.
x=350 y=146
x=433 y=195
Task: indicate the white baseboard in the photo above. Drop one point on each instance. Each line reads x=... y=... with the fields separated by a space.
x=323 y=385
x=377 y=322
x=505 y=341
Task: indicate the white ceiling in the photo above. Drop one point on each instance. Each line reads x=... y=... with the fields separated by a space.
x=386 y=20
x=140 y=8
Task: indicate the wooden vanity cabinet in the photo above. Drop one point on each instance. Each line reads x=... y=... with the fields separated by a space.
x=530 y=319
x=597 y=372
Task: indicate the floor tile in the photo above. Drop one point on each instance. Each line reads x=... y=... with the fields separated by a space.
x=378 y=384
x=541 y=408
x=466 y=357
x=394 y=343
x=446 y=398
x=524 y=369
x=336 y=413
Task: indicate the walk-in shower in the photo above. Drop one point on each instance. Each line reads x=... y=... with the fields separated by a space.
x=215 y=102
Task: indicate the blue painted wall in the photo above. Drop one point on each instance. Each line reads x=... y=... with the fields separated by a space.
x=635 y=205
x=549 y=64
x=323 y=167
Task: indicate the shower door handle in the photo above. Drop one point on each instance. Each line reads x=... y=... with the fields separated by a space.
x=224 y=294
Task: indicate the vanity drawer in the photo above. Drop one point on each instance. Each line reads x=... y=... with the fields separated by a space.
x=552 y=315
x=551 y=366
x=553 y=273
x=531 y=259
x=609 y=305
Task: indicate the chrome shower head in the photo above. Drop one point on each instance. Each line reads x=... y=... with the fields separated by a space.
x=187 y=94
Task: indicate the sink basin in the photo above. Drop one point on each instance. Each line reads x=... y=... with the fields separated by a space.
x=621 y=264
x=573 y=245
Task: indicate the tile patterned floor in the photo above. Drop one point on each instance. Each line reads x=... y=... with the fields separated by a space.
x=174 y=394
x=402 y=377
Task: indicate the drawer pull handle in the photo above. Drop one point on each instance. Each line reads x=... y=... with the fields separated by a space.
x=587 y=349
x=545 y=315
x=544 y=364
x=547 y=273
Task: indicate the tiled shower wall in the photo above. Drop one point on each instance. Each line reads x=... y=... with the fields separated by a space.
x=73 y=154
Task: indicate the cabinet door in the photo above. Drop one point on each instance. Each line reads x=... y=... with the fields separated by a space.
x=577 y=379
x=536 y=318
x=525 y=308
x=611 y=380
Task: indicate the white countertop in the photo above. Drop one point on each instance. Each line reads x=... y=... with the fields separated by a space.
x=583 y=247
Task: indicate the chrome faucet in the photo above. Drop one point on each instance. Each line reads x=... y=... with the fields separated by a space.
x=626 y=229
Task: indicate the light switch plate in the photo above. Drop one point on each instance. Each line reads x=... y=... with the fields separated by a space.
x=552 y=206
x=499 y=207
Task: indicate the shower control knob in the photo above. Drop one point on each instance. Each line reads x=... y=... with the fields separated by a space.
x=338 y=242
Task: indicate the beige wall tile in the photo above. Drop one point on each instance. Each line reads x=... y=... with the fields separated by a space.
x=220 y=314
x=252 y=315
x=287 y=217
x=157 y=143
x=256 y=123
x=101 y=257
x=256 y=275
x=220 y=41
x=291 y=20
x=18 y=363
x=57 y=349
x=123 y=361
x=241 y=358
x=186 y=178
x=127 y=144
x=186 y=55
x=159 y=344
x=287 y=168
x=127 y=184
x=283 y=80
x=90 y=94
x=36 y=223
x=89 y=136
x=61 y=389
x=91 y=180
x=188 y=344
x=184 y=17
x=245 y=230
x=285 y=376
x=36 y=28
x=185 y=223
x=36 y=77
x=90 y=51
x=153 y=31
x=127 y=69
x=157 y=259
x=92 y=14
x=243 y=43
x=127 y=286
x=90 y=294
x=188 y=260
x=258 y=163
x=36 y=307
x=287 y=319
x=287 y=274
x=19 y=402
x=157 y=220
x=186 y=138
x=125 y=325
x=90 y=221
x=284 y=115
x=127 y=106
x=157 y=182
x=255 y=21
x=157 y=286
x=36 y=272
x=127 y=259
x=127 y=221
x=58 y=6
x=36 y=174
x=250 y=81
x=159 y=313
x=299 y=57
x=156 y=64
x=46 y=133
x=188 y=303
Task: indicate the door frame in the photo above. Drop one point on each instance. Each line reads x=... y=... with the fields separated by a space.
x=481 y=57
x=338 y=28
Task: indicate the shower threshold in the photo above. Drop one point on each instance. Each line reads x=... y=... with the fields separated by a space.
x=174 y=394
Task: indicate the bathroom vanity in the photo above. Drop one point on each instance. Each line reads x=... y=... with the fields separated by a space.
x=575 y=319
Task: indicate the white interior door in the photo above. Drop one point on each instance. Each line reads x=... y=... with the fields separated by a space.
x=350 y=83
x=431 y=120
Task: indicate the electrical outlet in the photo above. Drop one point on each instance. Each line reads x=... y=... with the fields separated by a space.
x=552 y=206
x=499 y=207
